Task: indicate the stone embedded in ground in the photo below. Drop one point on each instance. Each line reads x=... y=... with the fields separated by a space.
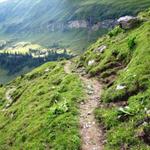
x=90 y=92
x=91 y=62
x=3 y=110
x=82 y=103
x=7 y=106
x=95 y=148
x=104 y=141
x=88 y=125
x=148 y=112
x=120 y=87
x=128 y=22
x=93 y=123
x=89 y=113
x=81 y=71
x=101 y=49
x=90 y=89
x=12 y=115
x=47 y=70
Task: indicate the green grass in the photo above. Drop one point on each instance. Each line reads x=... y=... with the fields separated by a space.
x=44 y=114
x=125 y=63
x=5 y=77
x=116 y=8
x=45 y=111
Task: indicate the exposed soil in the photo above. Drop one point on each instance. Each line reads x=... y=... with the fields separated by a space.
x=91 y=132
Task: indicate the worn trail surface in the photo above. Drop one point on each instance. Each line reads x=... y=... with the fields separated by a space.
x=91 y=133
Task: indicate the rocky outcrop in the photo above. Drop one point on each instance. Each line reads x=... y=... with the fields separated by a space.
x=110 y=23
x=78 y=24
x=128 y=22
x=54 y=26
x=101 y=49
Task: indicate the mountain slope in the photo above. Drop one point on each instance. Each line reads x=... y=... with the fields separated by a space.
x=124 y=69
x=42 y=11
x=25 y=19
x=39 y=110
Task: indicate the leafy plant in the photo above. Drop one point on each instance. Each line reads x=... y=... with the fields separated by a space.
x=131 y=42
x=115 y=31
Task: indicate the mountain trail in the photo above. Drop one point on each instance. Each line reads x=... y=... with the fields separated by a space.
x=91 y=132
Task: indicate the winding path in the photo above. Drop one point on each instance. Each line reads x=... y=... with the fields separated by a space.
x=91 y=132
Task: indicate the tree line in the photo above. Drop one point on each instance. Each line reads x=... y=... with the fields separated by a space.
x=16 y=62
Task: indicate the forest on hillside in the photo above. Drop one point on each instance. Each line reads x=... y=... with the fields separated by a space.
x=14 y=63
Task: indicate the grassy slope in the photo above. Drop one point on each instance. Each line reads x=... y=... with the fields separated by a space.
x=44 y=113
x=124 y=65
x=63 y=10
x=75 y=39
x=4 y=77
x=99 y=9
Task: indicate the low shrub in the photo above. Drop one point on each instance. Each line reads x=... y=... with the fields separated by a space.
x=131 y=43
x=115 y=31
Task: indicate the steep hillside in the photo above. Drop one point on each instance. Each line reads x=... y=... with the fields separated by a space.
x=120 y=60
x=53 y=106
x=39 y=110
x=43 y=11
x=47 y=21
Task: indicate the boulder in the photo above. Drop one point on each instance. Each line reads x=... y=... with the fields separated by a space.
x=101 y=49
x=128 y=22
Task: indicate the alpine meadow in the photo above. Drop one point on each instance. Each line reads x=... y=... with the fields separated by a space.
x=74 y=75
